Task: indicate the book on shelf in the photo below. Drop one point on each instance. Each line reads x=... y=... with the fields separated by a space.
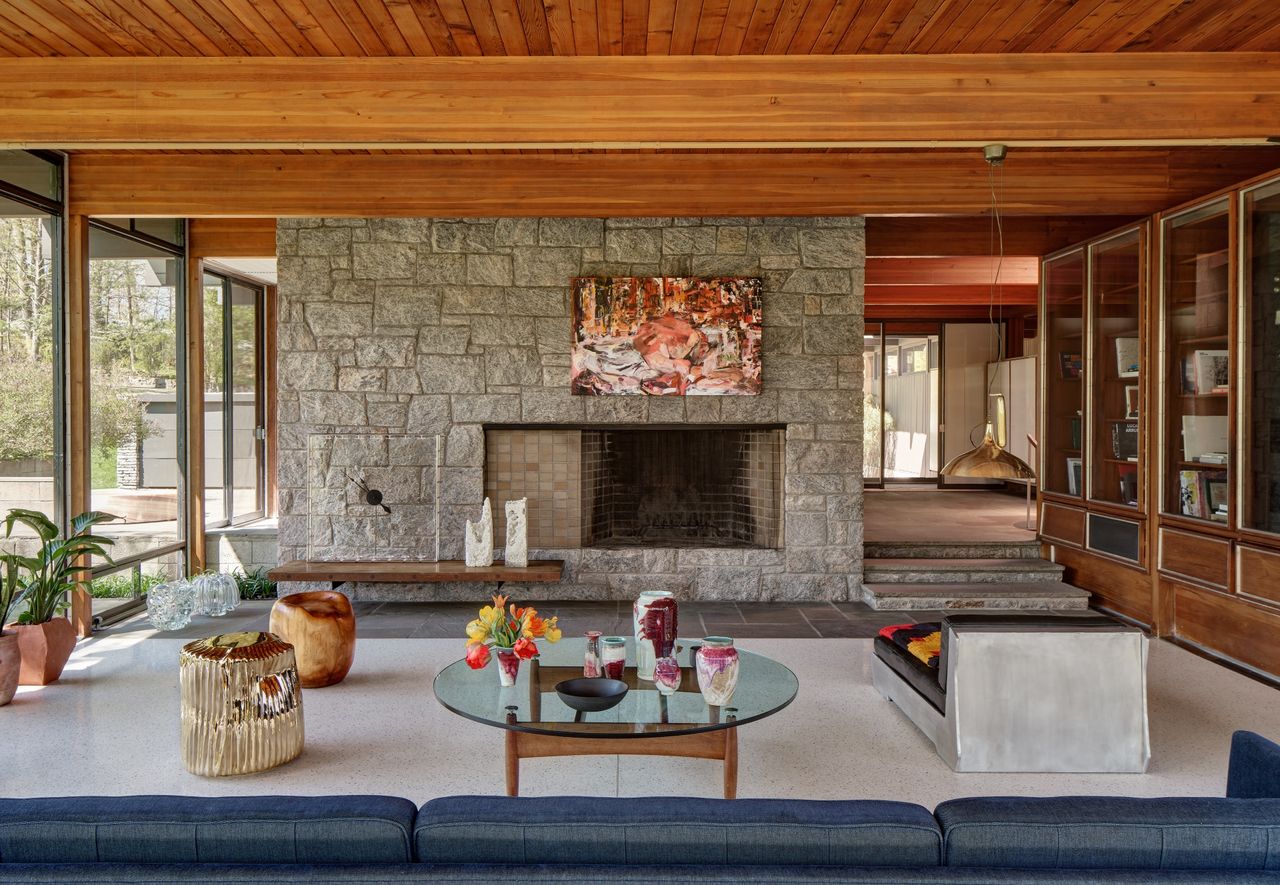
x=1204 y=435
x=1070 y=364
x=1075 y=432
x=1128 y=483
x=1128 y=357
x=1212 y=371
x=1212 y=458
x=1124 y=440
x=1203 y=494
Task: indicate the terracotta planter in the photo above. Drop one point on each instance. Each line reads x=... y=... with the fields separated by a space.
x=44 y=649
x=10 y=663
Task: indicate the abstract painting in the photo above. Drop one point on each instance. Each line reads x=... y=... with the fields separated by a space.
x=666 y=336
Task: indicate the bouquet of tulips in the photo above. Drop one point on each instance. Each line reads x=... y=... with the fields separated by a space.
x=507 y=627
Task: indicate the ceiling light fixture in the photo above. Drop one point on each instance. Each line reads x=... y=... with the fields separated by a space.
x=990 y=459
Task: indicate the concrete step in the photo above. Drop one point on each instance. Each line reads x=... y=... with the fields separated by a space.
x=951 y=550
x=959 y=571
x=1031 y=596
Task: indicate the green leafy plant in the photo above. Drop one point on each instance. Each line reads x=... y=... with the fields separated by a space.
x=255 y=584
x=11 y=593
x=53 y=571
x=124 y=586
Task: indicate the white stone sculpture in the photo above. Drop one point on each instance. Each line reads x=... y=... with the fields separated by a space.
x=480 y=539
x=517 y=555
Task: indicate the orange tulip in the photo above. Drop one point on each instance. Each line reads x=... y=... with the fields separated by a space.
x=525 y=648
x=477 y=656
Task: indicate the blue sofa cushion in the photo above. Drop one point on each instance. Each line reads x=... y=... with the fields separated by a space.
x=1087 y=832
x=224 y=829
x=568 y=830
x=1254 y=771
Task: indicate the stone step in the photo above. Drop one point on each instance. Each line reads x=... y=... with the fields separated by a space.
x=951 y=550
x=1031 y=596
x=959 y=571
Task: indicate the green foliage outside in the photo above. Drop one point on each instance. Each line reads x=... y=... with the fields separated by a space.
x=871 y=433
x=125 y=585
x=255 y=584
x=132 y=339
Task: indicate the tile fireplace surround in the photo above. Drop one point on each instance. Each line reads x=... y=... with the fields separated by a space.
x=460 y=327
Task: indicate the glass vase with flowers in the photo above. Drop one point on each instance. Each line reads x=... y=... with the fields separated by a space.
x=511 y=632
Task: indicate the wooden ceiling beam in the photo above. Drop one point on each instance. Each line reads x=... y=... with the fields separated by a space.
x=1036 y=182
x=973 y=293
x=952 y=271
x=635 y=101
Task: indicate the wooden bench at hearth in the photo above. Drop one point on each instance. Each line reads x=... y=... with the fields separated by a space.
x=538 y=571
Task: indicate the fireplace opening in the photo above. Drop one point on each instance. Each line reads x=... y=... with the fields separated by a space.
x=682 y=487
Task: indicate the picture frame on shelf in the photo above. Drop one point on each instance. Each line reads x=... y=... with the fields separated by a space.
x=1075 y=476
x=1070 y=365
x=1128 y=357
x=1132 y=402
x=1191 y=500
x=1212 y=371
x=1216 y=494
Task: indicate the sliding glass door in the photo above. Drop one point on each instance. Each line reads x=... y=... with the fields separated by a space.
x=901 y=403
x=234 y=419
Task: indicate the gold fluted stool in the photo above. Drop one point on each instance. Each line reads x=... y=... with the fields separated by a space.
x=241 y=704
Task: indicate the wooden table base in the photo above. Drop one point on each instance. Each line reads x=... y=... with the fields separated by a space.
x=721 y=745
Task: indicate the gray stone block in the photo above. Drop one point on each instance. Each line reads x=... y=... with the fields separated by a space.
x=347 y=320
x=437 y=269
x=473 y=300
x=331 y=407
x=362 y=379
x=831 y=247
x=428 y=413
x=307 y=370
x=444 y=339
x=773 y=240
x=405 y=307
x=489 y=270
x=545 y=266
x=636 y=244
x=513 y=366
x=382 y=261
x=451 y=374
x=571 y=232
x=486 y=408
x=688 y=240
x=461 y=236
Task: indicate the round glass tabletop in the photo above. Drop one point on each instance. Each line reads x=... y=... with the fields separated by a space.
x=532 y=705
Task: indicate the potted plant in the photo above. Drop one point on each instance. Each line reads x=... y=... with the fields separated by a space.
x=45 y=639
x=511 y=633
x=10 y=658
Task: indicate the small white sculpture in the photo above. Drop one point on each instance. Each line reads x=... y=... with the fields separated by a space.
x=480 y=539
x=517 y=555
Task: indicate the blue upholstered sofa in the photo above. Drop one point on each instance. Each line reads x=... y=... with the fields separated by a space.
x=381 y=839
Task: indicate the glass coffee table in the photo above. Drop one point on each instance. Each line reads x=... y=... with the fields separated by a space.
x=538 y=723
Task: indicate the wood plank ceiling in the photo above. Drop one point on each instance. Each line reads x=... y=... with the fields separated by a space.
x=45 y=28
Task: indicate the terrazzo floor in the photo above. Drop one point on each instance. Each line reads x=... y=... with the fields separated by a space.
x=111 y=727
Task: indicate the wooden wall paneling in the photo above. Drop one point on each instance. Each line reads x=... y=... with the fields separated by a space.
x=232 y=237
x=259 y=184
x=1258 y=573
x=1121 y=588
x=1228 y=625
x=942 y=235
x=1060 y=524
x=634 y=101
x=80 y=494
x=197 y=557
x=1191 y=556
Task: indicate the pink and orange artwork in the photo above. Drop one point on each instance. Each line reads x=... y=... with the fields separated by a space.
x=666 y=336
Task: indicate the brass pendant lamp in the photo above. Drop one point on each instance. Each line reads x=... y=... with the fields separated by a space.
x=991 y=460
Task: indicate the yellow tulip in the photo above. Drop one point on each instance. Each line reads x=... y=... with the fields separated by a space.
x=553 y=633
x=477 y=631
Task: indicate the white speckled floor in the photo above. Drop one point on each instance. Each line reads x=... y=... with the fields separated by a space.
x=111 y=727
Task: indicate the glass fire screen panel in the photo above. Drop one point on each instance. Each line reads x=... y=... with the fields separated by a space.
x=136 y=416
x=872 y=404
x=1116 y=270
x=1197 y=433
x=1261 y=355
x=1062 y=470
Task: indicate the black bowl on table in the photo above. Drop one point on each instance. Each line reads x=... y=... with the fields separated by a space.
x=591 y=694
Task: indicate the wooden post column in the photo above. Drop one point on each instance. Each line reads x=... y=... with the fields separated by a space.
x=80 y=480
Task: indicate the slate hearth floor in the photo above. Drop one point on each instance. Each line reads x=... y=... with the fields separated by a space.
x=446 y=620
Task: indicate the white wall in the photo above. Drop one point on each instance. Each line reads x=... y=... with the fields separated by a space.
x=966 y=350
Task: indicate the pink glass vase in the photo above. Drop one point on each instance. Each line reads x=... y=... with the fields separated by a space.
x=591 y=661
x=666 y=675
x=717 y=666
x=508 y=666
x=654 y=617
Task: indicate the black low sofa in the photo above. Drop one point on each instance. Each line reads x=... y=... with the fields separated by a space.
x=474 y=839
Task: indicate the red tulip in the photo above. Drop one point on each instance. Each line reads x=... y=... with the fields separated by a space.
x=525 y=648
x=477 y=656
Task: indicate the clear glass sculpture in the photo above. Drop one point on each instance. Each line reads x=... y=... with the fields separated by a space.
x=171 y=605
x=210 y=595
x=230 y=591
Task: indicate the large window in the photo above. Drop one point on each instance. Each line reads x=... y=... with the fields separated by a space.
x=30 y=249
x=136 y=386
x=233 y=417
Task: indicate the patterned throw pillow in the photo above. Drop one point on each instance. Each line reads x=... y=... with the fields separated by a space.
x=921 y=641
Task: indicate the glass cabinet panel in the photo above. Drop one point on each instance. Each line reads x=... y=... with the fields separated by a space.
x=1063 y=317
x=1197 y=433
x=1116 y=274
x=1261 y=355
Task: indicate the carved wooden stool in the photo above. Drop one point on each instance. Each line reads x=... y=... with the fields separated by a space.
x=322 y=628
x=241 y=704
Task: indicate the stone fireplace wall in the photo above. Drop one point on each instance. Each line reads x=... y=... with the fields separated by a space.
x=426 y=326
